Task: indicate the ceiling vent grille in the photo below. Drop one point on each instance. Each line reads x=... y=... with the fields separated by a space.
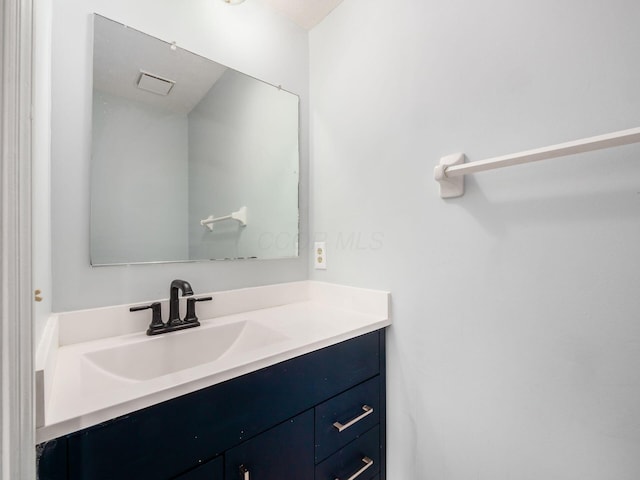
x=155 y=84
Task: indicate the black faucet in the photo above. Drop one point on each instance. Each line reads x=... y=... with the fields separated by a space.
x=174 y=323
x=174 y=302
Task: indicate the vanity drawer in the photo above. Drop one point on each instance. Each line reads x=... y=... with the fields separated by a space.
x=346 y=417
x=358 y=460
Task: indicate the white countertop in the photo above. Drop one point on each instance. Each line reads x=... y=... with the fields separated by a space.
x=76 y=394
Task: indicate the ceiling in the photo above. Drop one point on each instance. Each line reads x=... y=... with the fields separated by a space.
x=120 y=54
x=306 y=13
x=117 y=67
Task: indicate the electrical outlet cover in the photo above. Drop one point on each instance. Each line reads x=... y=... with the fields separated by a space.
x=320 y=256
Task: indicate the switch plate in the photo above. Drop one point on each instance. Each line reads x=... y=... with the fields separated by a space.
x=320 y=256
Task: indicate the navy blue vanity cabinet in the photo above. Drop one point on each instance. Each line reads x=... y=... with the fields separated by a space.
x=276 y=422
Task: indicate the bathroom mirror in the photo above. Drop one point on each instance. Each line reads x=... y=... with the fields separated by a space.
x=178 y=139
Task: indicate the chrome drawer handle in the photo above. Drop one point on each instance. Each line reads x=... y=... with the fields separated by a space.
x=244 y=473
x=368 y=463
x=367 y=411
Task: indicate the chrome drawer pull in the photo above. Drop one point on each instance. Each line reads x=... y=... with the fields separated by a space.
x=367 y=411
x=368 y=463
x=244 y=473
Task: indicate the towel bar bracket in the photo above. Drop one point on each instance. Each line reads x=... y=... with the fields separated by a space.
x=450 y=187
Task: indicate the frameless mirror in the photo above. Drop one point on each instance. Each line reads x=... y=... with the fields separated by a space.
x=191 y=160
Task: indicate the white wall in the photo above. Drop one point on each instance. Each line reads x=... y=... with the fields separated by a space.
x=243 y=151
x=246 y=37
x=41 y=165
x=139 y=182
x=515 y=347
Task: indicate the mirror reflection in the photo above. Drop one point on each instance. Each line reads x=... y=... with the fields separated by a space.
x=191 y=160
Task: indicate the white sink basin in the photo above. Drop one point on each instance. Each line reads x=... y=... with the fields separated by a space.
x=152 y=357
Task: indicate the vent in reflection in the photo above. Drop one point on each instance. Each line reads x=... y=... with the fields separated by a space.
x=155 y=84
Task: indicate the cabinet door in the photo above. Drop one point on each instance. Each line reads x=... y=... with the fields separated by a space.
x=284 y=452
x=212 y=470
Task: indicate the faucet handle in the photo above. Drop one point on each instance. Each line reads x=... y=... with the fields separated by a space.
x=156 y=320
x=191 y=309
